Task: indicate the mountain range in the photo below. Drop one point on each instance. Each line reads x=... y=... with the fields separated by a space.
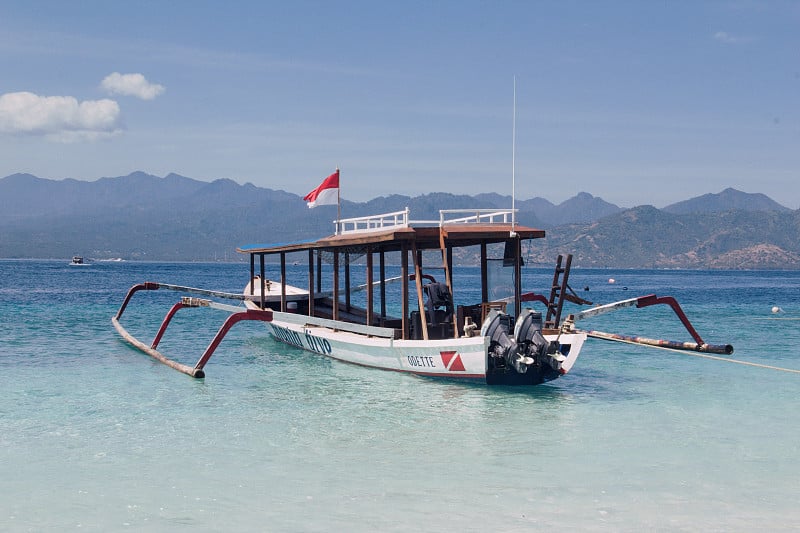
x=146 y=217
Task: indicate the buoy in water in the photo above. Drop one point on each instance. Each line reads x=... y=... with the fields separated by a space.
x=776 y=310
x=612 y=280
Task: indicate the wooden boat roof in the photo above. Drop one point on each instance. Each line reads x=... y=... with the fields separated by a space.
x=393 y=239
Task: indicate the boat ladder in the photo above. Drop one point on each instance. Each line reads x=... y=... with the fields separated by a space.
x=558 y=292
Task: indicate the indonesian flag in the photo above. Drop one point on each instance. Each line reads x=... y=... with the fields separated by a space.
x=326 y=194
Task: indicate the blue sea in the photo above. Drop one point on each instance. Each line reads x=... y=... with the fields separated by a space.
x=96 y=436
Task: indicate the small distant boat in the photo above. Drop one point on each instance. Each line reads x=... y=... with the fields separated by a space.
x=78 y=260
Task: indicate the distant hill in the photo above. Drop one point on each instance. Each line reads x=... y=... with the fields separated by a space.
x=24 y=195
x=580 y=208
x=145 y=217
x=646 y=237
x=725 y=201
x=141 y=216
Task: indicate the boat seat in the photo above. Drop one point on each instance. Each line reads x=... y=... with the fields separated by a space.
x=439 y=306
x=436 y=330
x=440 y=316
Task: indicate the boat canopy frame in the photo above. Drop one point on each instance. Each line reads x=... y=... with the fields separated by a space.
x=396 y=232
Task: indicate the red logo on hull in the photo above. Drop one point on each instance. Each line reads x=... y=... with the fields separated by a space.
x=452 y=362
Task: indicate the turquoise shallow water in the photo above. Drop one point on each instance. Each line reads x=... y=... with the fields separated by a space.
x=95 y=436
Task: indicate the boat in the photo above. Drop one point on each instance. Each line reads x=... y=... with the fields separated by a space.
x=78 y=260
x=435 y=325
x=433 y=333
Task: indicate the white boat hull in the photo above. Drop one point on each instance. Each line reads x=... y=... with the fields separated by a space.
x=465 y=358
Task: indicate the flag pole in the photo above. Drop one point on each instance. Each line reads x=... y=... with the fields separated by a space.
x=338 y=199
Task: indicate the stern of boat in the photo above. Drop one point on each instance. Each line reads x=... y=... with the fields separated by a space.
x=528 y=355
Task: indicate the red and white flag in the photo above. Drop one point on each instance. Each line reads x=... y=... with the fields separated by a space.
x=326 y=194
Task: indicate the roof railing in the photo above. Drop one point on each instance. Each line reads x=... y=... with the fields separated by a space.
x=397 y=219
x=400 y=219
x=476 y=216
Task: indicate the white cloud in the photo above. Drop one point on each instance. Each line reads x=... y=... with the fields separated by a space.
x=131 y=85
x=725 y=37
x=58 y=118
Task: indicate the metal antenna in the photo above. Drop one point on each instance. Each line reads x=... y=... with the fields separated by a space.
x=513 y=161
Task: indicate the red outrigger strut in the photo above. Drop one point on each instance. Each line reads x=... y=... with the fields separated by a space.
x=645 y=301
x=652 y=299
x=237 y=315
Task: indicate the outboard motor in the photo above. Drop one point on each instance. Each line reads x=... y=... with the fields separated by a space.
x=528 y=347
x=531 y=342
x=501 y=346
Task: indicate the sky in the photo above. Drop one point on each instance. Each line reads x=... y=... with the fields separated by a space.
x=643 y=102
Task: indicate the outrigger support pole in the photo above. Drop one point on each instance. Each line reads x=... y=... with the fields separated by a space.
x=237 y=314
x=645 y=301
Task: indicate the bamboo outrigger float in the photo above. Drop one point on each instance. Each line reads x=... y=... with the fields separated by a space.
x=431 y=328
